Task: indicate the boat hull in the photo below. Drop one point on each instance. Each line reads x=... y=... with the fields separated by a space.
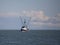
x=24 y=29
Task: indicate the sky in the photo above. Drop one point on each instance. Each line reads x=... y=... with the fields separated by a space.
x=44 y=14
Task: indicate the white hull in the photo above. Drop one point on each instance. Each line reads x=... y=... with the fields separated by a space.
x=24 y=29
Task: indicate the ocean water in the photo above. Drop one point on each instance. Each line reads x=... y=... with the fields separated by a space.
x=32 y=37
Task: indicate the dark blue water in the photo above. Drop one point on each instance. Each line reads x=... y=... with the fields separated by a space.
x=33 y=37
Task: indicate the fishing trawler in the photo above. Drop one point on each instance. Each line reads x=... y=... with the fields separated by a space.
x=25 y=28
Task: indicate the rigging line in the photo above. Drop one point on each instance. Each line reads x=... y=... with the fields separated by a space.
x=29 y=20
x=28 y=25
x=21 y=20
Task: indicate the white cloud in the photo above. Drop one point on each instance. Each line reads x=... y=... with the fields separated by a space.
x=42 y=24
x=8 y=14
x=36 y=15
x=38 y=18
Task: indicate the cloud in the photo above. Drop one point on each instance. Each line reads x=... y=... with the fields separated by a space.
x=9 y=14
x=47 y=25
x=55 y=19
x=36 y=15
x=38 y=18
